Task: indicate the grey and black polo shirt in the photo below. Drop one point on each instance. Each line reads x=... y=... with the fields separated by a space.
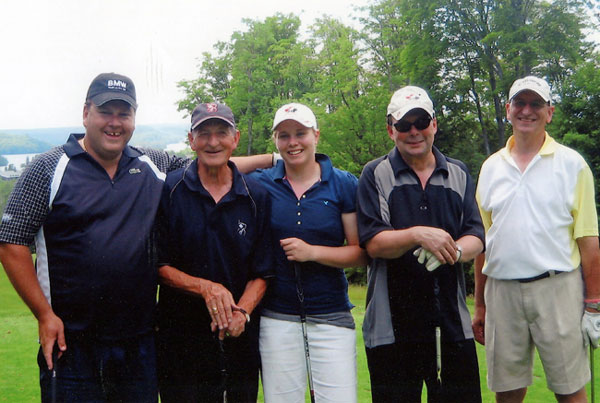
x=405 y=302
x=92 y=235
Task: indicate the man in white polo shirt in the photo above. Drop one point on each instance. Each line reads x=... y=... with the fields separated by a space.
x=542 y=259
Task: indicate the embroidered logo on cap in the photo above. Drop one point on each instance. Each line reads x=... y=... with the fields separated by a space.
x=212 y=107
x=117 y=85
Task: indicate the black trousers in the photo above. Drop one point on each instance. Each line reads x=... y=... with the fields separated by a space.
x=193 y=369
x=398 y=371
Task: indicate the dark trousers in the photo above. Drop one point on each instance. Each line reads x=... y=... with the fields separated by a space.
x=194 y=369
x=100 y=371
x=398 y=371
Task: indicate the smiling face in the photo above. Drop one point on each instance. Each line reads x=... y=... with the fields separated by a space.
x=296 y=143
x=108 y=129
x=214 y=141
x=413 y=144
x=529 y=114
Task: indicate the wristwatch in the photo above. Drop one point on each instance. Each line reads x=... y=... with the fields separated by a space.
x=459 y=253
x=246 y=314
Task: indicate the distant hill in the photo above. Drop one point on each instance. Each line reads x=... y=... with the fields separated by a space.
x=24 y=141
x=21 y=144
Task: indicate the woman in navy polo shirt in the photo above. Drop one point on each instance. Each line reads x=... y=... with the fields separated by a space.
x=313 y=215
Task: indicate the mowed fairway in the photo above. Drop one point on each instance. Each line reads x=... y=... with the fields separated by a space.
x=18 y=350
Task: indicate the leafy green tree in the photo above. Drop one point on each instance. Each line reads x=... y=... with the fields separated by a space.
x=348 y=119
x=575 y=121
x=212 y=83
x=257 y=71
x=270 y=66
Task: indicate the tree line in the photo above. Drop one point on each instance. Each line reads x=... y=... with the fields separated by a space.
x=466 y=53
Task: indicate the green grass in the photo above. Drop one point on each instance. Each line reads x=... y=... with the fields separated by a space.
x=19 y=345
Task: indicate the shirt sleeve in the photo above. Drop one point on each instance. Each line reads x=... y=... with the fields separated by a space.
x=164 y=161
x=371 y=207
x=585 y=218
x=348 y=188
x=162 y=229
x=472 y=220
x=263 y=257
x=27 y=205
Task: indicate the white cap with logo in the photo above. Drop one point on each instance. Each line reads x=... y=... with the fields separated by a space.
x=530 y=83
x=408 y=98
x=298 y=112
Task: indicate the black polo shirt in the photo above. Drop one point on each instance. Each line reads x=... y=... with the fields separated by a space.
x=228 y=242
x=405 y=301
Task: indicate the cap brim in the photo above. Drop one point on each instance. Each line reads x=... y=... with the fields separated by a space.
x=278 y=122
x=400 y=113
x=198 y=123
x=101 y=99
x=532 y=90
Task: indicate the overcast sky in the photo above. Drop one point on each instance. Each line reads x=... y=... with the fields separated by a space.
x=51 y=50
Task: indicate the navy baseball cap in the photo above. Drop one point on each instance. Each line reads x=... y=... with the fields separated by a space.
x=204 y=112
x=109 y=87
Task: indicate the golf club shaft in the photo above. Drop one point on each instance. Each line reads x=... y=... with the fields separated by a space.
x=308 y=368
x=438 y=353
x=300 y=292
x=223 y=365
x=593 y=390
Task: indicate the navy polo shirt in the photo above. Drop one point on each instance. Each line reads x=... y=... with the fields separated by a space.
x=316 y=219
x=93 y=237
x=228 y=242
x=390 y=196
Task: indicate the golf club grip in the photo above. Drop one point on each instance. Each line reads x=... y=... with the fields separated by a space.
x=53 y=380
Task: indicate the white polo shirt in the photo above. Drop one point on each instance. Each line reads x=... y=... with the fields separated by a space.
x=533 y=218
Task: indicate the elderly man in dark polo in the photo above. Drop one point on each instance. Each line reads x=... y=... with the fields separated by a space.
x=215 y=256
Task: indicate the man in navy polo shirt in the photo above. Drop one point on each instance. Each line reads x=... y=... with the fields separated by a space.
x=90 y=205
x=418 y=219
x=215 y=254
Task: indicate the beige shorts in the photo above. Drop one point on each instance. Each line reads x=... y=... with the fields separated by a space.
x=543 y=314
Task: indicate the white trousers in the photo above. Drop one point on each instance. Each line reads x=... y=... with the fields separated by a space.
x=332 y=357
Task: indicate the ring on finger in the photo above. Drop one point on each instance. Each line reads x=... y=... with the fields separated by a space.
x=215 y=309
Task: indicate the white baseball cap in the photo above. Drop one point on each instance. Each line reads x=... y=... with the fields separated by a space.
x=531 y=83
x=408 y=98
x=298 y=112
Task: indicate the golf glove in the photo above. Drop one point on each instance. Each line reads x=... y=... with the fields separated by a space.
x=425 y=257
x=590 y=328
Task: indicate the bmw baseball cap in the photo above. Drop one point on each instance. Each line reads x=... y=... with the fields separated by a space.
x=204 y=112
x=408 y=98
x=531 y=83
x=109 y=87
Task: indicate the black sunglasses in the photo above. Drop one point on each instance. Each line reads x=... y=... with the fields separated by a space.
x=422 y=123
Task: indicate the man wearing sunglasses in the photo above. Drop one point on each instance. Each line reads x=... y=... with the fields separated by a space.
x=418 y=219
x=538 y=284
